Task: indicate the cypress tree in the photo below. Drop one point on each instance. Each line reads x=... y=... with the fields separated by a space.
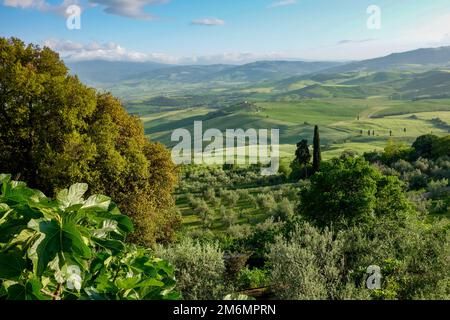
x=317 y=157
x=302 y=154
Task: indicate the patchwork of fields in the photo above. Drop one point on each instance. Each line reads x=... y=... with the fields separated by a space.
x=344 y=123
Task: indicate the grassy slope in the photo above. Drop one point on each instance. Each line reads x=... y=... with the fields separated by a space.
x=337 y=118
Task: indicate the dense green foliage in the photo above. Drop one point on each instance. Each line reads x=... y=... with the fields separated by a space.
x=349 y=191
x=327 y=264
x=72 y=248
x=55 y=132
x=302 y=155
x=199 y=269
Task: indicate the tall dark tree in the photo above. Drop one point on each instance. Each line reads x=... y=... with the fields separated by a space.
x=303 y=155
x=317 y=156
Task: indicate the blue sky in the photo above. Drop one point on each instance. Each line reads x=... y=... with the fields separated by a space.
x=228 y=31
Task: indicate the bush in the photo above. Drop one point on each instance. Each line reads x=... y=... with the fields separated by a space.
x=284 y=210
x=402 y=166
x=435 y=187
x=307 y=266
x=229 y=216
x=418 y=180
x=229 y=197
x=266 y=202
x=252 y=278
x=199 y=269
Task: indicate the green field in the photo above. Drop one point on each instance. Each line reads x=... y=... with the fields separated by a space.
x=344 y=123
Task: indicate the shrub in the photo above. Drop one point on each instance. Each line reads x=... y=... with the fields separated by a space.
x=417 y=180
x=229 y=216
x=209 y=195
x=252 y=278
x=239 y=231
x=199 y=269
x=284 y=210
x=423 y=146
x=436 y=187
x=402 y=166
x=229 y=197
x=307 y=266
x=266 y=202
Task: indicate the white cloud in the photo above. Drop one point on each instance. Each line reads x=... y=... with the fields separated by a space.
x=111 y=51
x=124 y=8
x=348 y=41
x=74 y=51
x=128 y=8
x=282 y=3
x=208 y=22
x=435 y=32
x=41 y=5
x=22 y=3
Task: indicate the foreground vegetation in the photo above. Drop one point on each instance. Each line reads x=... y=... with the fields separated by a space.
x=351 y=214
x=73 y=248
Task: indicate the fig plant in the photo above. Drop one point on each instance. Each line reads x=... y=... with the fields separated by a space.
x=73 y=248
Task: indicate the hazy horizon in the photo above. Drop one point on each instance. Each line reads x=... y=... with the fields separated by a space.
x=220 y=32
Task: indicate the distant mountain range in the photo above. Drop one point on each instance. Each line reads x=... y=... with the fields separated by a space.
x=416 y=59
x=411 y=75
x=102 y=71
x=98 y=72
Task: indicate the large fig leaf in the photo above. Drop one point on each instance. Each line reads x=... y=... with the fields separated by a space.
x=54 y=239
x=72 y=196
x=12 y=265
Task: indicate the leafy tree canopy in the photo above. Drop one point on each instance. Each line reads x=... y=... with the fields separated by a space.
x=350 y=191
x=56 y=132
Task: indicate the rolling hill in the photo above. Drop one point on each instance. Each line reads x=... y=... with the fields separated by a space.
x=96 y=72
x=420 y=59
x=132 y=75
x=113 y=72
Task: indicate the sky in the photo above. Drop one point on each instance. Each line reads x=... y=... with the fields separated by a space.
x=227 y=31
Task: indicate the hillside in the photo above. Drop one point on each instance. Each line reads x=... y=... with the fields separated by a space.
x=419 y=59
x=100 y=71
x=106 y=72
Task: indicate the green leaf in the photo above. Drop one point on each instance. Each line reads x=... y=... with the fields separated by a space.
x=97 y=202
x=23 y=238
x=128 y=283
x=31 y=290
x=113 y=245
x=12 y=265
x=19 y=193
x=4 y=208
x=93 y=294
x=150 y=283
x=108 y=226
x=5 y=181
x=125 y=223
x=55 y=239
x=11 y=228
x=72 y=196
